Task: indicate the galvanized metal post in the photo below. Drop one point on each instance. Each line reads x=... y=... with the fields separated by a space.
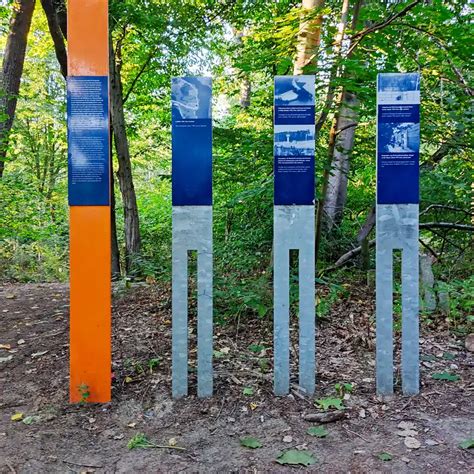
x=397 y=216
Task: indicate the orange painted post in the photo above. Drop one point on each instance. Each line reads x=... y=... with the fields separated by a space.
x=89 y=200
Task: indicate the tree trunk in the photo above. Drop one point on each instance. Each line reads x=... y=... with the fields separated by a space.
x=113 y=221
x=336 y=193
x=56 y=34
x=245 y=91
x=340 y=108
x=245 y=84
x=124 y=174
x=12 y=70
x=427 y=282
x=309 y=38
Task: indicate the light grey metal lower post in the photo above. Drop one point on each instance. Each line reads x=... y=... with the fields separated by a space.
x=294 y=230
x=192 y=230
x=397 y=228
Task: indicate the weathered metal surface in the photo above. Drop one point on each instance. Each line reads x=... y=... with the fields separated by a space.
x=397 y=228
x=294 y=229
x=192 y=230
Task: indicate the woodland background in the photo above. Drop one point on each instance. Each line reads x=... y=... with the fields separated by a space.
x=243 y=44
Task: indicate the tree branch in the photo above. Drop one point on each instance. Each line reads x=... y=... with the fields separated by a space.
x=358 y=37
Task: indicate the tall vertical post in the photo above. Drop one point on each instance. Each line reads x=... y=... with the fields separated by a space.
x=294 y=227
x=397 y=216
x=192 y=226
x=89 y=201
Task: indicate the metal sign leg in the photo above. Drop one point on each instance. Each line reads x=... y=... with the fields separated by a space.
x=192 y=230
x=294 y=229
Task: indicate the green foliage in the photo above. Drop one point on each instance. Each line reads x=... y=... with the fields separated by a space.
x=343 y=388
x=250 y=442
x=330 y=402
x=317 y=431
x=84 y=392
x=385 y=456
x=467 y=444
x=294 y=457
x=446 y=376
x=460 y=297
x=140 y=440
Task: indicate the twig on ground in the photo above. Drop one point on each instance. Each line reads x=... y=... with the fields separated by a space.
x=10 y=467
x=356 y=434
x=429 y=401
x=72 y=463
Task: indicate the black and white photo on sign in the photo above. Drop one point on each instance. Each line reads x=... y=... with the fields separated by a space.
x=399 y=137
x=294 y=140
x=398 y=88
x=191 y=97
x=294 y=90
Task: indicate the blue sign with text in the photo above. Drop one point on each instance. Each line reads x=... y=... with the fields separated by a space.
x=398 y=138
x=191 y=141
x=88 y=138
x=294 y=143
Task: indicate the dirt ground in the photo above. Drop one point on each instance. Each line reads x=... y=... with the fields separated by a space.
x=54 y=436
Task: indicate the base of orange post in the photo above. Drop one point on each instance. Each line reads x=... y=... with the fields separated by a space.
x=90 y=315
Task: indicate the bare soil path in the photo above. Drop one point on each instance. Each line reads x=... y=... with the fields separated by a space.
x=57 y=437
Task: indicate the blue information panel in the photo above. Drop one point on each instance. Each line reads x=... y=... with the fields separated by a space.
x=88 y=138
x=294 y=140
x=191 y=141
x=398 y=138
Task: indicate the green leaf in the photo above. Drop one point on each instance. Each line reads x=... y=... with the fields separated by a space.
x=448 y=356
x=250 y=442
x=218 y=354
x=467 y=444
x=328 y=402
x=29 y=420
x=248 y=391
x=318 y=431
x=428 y=357
x=256 y=348
x=445 y=376
x=385 y=456
x=140 y=441
x=295 y=457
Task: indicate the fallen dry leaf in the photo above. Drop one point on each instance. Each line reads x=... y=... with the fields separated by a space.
x=407 y=433
x=39 y=354
x=412 y=443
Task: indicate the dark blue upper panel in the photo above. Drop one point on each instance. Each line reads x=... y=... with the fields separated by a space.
x=398 y=138
x=294 y=140
x=191 y=99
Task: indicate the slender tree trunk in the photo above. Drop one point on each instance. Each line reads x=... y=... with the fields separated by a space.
x=336 y=193
x=309 y=38
x=344 y=111
x=113 y=221
x=12 y=69
x=245 y=84
x=56 y=34
x=124 y=174
x=245 y=91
